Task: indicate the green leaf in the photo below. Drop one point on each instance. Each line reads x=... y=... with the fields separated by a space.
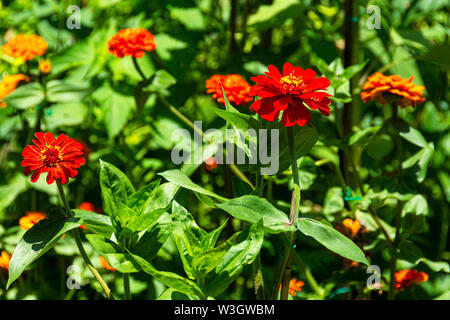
x=191 y=18
x=178 y=177
x=170 y=279
x=334 y=201
x=252 y=209
x=419 y=162
x=116 y=106
x=37 y=241
x=161 y=82
x=28 y=95
x=272 y=15
x=65 y=114
x=305 y=138
x=233 y=261
x=124 y=263
x=331 y=239
x=102 y=244
x=414 y=214
x=67 y=90
x=188 y=237
x=99 y=223
x=139 y=200
x=413 y=135
x=436 y=266
x=154 y=237
x=116 y=189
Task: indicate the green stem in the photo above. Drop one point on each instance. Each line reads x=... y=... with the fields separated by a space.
x=77 y=237
x=308 y=275
x=257 y=268
x=138 y=69
x=295 y=206
x=398 y=215
x=126 y=286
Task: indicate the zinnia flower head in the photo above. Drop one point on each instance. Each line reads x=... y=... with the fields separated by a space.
x=393 y=90
x=58 y=157
x=295 y=286
x=5 y=258
x=25 y=47
x=45 y=66
x=210 y=164
x=105 y=264
x=405 y=278
x=235 y=87
x=350 y=227
x=291 y=93
x=9 y=84
x=131 y=42
x=30 y=219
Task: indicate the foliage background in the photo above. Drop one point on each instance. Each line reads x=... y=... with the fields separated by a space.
x=196 y=39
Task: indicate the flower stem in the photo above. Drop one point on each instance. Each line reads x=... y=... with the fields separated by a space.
x=257 y=268
x=138 y=69
x=126 y=286
x=295 y=206
x=398 y=215
x=77 y=237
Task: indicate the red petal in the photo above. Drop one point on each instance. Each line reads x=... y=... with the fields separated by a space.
x=288 y=68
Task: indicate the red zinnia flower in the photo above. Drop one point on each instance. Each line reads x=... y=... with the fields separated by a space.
x=210 y=164
x=405 y=278
x=236 y=88
x=290 y=92
x=131 y=42
x=59 y=157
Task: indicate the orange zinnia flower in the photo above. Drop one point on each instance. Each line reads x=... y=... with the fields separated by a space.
x=25 y=47
x=405 y=278
x=131 y=42
x=352 y=225
x=105 y=264
x=295 y=286
x=30 y=219
x=9 y=84
x=45 y=66
x=5 y=258
x=392 y=90
x=236 y=88
x=59 y=157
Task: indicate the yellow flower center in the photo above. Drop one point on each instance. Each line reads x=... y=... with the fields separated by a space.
x=51 y=155
x=291 y=82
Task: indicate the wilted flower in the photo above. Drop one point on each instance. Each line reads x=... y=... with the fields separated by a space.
x=5 y=258
x=291 y=92
x=405 y=278
x=105 y=264
x=30 y=219
x=393 y=90
x=58 y=157
x=9 y=84
x=131 y=42
x=236 y=88
x=25 y=47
